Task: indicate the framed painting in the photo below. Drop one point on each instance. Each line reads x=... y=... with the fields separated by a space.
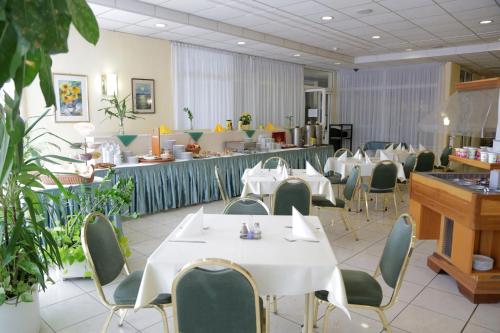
x=72 y=99
x=143 y=96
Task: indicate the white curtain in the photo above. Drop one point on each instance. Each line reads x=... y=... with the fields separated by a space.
x=218 y=85
x=387 y=104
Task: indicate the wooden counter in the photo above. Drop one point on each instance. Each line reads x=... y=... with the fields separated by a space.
x=464 y=222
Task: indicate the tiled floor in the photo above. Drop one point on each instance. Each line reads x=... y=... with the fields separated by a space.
x=427 y=302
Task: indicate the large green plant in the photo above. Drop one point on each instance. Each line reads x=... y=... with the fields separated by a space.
x=30 y=32
x=118 y=109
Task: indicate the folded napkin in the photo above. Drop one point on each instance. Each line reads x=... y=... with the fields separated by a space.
x=343 y=157
x=358 y=155
x=302 y=229
x=218 y=128
x=283 y=173
x=255 y=169
x=192 y=228
x=420 y=147
x=384 y=157
x=367 y=159
x=390 y=148
x=310 y=170
x=399 y=147
x=411 y=150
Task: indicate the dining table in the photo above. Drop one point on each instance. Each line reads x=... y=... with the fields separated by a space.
x=278 y=266
x=265 y=181
x=343 y=166
x=395 y=155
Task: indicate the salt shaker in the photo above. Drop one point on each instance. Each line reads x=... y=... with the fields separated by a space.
x=244 y=231
x=257 y=231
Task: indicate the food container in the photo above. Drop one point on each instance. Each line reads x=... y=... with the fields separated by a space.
x=471 y=153
x=132 y=159
x=492 y=157
x=484 y=156
x=482 y=263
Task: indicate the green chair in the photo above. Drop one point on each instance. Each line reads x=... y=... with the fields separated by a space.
x=349 y=192
x=363 y=291
x=273 y=162
x=221 y=185
x=425 y=161
x=209 y=299
x=408 y=167
x=375 y=145
x=336 y=178
x=246 y=206
x=292 y=192
x=341 y=151
x=383 y=181
x=106 y=262
x=445 y=159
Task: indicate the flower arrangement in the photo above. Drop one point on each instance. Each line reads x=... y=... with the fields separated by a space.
x=189 y=115
x=245 y=118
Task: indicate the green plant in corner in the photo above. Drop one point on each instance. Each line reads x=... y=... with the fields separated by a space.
x=30 y=33
x=118 y=109
x=189 y=115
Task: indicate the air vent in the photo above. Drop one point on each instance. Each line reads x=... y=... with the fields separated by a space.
x=365 y=11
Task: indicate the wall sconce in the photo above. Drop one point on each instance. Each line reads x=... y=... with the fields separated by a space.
x=109 y=84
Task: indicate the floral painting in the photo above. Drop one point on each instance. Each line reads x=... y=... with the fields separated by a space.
x=143 y=95
x=71 y=98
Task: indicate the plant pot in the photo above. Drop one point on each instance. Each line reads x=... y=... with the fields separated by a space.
x=75 y=271
x=21 y=318
x=245 y=127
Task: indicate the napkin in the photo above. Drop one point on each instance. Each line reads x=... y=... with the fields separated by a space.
x=218 y=128
x=412 y=150
x=358 y=155
x=165 y=130
x=343 y=157
x=367 y=159
x=310 y=170
x=302 y=229
x=192 y=228
x=399 y=148
x=283 y=173
x=390 y=148
x=255 y=169
x=270 y=127
x=421 y=148
x=384 y=157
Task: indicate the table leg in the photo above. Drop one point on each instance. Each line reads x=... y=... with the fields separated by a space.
x=308 y=312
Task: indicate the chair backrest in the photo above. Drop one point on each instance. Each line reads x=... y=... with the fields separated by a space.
x=341 y=151
x=444 y=158
x=409 y=166
x=317 y=164
x=292 y=192
x=101 y=248
x=375 y=145
x=246 y=206
x=425 y=161
x=403 y=145
x=352 y=183
x=273 y=162
x=397 y=251
x=221 y=184
x=384 y=175
x=223 y=300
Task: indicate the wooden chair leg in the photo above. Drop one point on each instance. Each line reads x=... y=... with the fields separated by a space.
x=275 y=304
x=268 y=313
x=315 y=312
x=366 y=204
x=395 y=204
x=329 y=309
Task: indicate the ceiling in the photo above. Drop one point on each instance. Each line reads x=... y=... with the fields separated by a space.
x=411 y=31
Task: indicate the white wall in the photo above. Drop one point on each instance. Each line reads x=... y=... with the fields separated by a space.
x=126 y=55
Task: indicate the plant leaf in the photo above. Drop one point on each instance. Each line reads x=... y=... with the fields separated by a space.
x=8 y=45
x=45 y=74
x=84 y=20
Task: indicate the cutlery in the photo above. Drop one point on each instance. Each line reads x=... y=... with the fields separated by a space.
x=304 y=240
x=290 y=227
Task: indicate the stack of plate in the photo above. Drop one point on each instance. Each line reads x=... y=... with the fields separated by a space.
x=482 y=263
x=187 y=155
x=169 y=144
x=178 y=150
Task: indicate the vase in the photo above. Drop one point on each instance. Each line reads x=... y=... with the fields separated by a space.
x=245 y=127
x=190 y=124
x=240 y=124
x=23 y=317
x=77 y=270
x=121 y=130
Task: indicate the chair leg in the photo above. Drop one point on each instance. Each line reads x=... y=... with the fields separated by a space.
x=384 y=320
x=268 y=314
x=123 y=313
x=348 y=225
x=329 y=309
x=315 y=312
x=275 y=304
x=395 y=204
x=385 y=202
x=163 y=318
x=366 y=204
x=104 y=328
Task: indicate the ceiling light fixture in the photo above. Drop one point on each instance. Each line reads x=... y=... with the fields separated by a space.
x=486 y=22
x=296 y=55
x=365 y=11
x=335 y=48
x=336 y=63
x=160 y=25
x=327 y=18
x=409 y=50
x=241 y=43
x=376 y=37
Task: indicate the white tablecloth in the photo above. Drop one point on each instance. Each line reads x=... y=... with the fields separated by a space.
x=344 y=167
x=395 y=155
x=279 y=267
x=265 y=182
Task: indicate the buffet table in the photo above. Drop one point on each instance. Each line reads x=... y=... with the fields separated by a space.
x=163 y=186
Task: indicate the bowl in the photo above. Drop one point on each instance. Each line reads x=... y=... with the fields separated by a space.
x=132 y=159
x=482 y=263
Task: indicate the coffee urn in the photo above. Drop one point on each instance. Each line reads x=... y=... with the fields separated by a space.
x=297 y=136
x=310 y=135
x=319 y=134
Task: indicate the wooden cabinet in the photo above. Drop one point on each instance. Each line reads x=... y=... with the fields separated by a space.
x=464 y=223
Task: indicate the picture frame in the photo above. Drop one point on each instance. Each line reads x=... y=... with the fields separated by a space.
x=72 y=98
x=143 y=96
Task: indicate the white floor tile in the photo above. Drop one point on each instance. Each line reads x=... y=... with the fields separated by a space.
x=446 y=283
x=143 y=318
x=419 y=275
x=364 y=261
x=95 y=324
x=488 y=316
x=339 y=322
x=419 y=320
x=471 y=328
x=448 y=304
x=60 y=291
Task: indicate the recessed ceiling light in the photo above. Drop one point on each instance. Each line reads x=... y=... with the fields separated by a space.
x=336 y=63
x=376 y=37
x=241 y=43
x=486 y=22
x=409 y=50
x=365 y=11
x=335 y=48
x=296 y=55
x=327 y=18
x=160 y=25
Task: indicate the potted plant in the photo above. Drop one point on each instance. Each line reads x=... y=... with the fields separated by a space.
x=118 y=109
x=31 y=33
x=190 y=117
x=245 y=120
x=112 y=200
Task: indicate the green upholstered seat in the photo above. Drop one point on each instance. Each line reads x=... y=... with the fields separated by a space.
x=409 y=167
x=215 y=301
x=246 y=206
x=321 y=201
x=360 y=288
x=126 y=292
x=425 y=161
x=292 y=192
x=383 y=178
x=273 y=162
